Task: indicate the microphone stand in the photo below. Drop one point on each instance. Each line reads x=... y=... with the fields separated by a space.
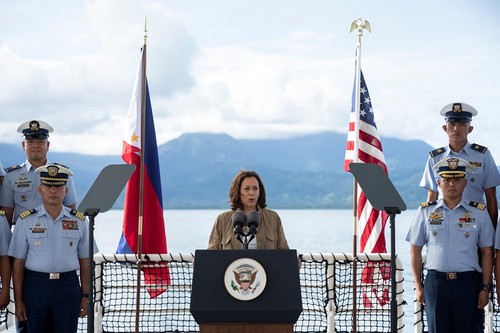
x=91 y=213
x=247 y=241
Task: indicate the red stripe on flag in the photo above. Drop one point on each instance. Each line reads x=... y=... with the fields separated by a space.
x=369 y=139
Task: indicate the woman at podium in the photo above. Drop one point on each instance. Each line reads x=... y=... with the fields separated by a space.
x=249 y=224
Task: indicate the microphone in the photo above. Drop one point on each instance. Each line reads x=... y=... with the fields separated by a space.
x=238 y=222
x=252 y=223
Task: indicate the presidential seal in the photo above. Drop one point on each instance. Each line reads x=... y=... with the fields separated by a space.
x=245 y=279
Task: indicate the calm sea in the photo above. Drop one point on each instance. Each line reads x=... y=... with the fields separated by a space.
x=306 y=231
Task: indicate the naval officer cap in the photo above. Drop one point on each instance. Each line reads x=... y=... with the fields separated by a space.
x=35 y=129
x=53 y=174
x=453 y=168
x=458 y=113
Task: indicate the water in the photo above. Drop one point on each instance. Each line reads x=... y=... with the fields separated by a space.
x=306 y=231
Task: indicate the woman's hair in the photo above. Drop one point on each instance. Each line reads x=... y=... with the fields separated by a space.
x=234 y=190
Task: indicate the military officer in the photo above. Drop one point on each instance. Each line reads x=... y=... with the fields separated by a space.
x=19 y=191
x=5 y=267
x=49 y=244
x=484 y=178
x=452 y=229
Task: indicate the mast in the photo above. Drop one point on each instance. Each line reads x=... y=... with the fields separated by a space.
x=358 y=25
x=141 y=180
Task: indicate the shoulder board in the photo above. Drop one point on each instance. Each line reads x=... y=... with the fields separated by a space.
x=428 y=203
x=2 y=212
x=64 y=166
x=78 y=214
x=479 y=148
x=478 y=205
x=27 y=213
x=437 y=152
x=14 y=167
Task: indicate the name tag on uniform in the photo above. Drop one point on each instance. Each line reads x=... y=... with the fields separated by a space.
x=38 y=230
x=23 y=184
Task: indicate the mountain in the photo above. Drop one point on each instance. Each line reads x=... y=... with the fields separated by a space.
x=300 y=172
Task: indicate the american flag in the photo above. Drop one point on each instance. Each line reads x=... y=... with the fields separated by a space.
x=364 y=146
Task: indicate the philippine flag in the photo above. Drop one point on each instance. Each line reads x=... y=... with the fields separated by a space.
x=153 y=226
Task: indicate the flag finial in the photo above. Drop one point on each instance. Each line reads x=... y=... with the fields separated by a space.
x=359 y=25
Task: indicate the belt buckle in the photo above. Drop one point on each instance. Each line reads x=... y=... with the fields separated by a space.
x=53 y=276
x=451 y=276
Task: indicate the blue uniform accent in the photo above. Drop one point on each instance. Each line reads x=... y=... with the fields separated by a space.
x=52 y=305
x=19 y=190
x=479 y=148
x=428 y=203
x=484 y=171
x=450 y=305
x=437 y=152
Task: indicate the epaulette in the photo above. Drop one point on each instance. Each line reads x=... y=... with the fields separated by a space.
x=479 y=148
x=14 y=167
x=78 y=214
x=64 y=166
x=478 y=205
x=428 y=203
x=2 y=212
x=27 y=213
x=437 y=152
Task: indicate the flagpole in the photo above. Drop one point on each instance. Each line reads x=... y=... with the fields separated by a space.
x=358 y=25
x=141 y=181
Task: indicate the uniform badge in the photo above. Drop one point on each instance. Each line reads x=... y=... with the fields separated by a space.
x=453 y=163
x=52 y=170
x=70 y=225
x=434 y=233
x=435 y=218
x=34 y=125
x=38 y=243
x=467 y=219
x=467 y=234
x=457 y=107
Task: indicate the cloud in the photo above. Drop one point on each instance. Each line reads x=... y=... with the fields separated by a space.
x=242 y=69
x=86 y=94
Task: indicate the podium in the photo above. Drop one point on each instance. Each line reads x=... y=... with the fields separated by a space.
x=254 y=291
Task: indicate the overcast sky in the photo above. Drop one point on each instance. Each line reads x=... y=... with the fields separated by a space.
x=251 y=69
